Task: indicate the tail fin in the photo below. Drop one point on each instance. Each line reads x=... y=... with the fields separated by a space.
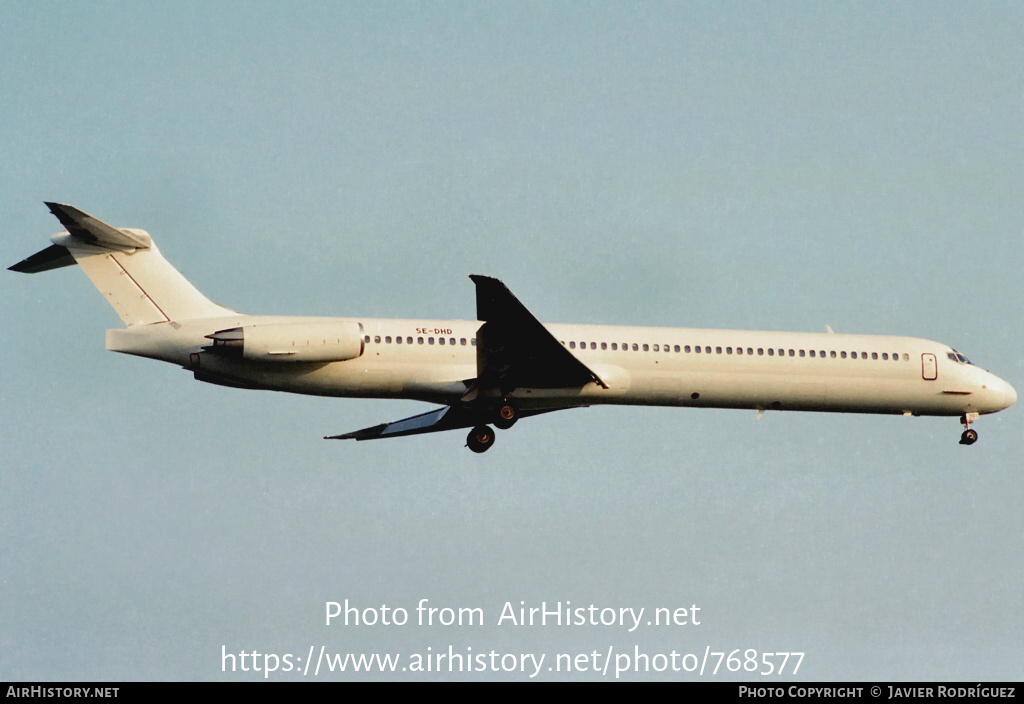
x=126 y=267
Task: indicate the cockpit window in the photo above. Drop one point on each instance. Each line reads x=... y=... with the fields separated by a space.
x=957 y=357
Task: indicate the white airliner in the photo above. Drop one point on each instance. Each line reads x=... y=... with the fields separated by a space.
x=506 y=364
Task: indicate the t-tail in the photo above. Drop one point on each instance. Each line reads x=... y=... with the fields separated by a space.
x=126 y=267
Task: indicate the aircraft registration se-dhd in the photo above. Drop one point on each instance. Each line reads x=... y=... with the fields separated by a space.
x=506 y=364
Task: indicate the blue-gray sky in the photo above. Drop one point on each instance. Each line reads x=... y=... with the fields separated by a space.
x=740 y=165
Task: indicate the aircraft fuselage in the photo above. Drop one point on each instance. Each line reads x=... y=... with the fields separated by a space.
x=707 y=368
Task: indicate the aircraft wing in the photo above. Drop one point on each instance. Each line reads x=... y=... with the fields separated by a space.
x=515 y=350
x=444 y=418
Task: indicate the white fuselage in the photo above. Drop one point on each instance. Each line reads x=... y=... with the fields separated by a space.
x=436 y=360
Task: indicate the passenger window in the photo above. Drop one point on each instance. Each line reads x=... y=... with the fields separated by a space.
x=419 y=340
x=388 y=339
x=812 y=352
x=677 y=348
x=604 y=345
x=366 y=339
x=728 y=350
x=440 y=340
x=376 y=339
x=472 y=341
x=801 y=353
x=615 y=346
x=843 y=355
x=760 y=350
x=655 y=348
x=635 y=347
x=739 y=350
x=771 y=351
x=572 y=344
x=646 y=347
x=697 y=349
x=832 y=354
x=462 y=341
x=750 y=350
x=853 y=355
x=686 y=349
x=874 y=355
x=398 y=340
x=451 y=340
x=718 y=350
x=791 y=353
x=593 y=345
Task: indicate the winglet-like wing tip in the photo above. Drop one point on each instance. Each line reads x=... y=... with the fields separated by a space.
x=344 y=436
x=365 y=434
x=483 y=279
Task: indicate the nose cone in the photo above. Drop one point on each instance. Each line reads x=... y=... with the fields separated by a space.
x=998 y=394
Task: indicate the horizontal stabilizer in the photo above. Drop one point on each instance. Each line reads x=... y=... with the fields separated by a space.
x=53 y=257
x=97 y=232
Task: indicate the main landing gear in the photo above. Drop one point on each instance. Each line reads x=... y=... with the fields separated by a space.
x=969 y=436
x=506 y=416
x=481 y=437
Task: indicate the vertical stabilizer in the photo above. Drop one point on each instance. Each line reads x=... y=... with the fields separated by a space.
x=126 y=267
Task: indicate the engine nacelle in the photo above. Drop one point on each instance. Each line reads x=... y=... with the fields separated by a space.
x=290 y=342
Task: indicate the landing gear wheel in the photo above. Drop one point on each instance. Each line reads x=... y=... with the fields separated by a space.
x=506 y=416
x=969 y=436
x=480 y=439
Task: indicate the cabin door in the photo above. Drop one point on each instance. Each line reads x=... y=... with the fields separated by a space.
x=929 y=369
